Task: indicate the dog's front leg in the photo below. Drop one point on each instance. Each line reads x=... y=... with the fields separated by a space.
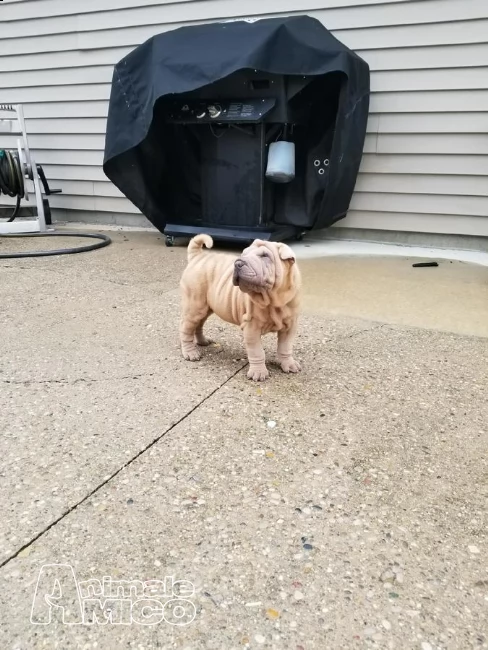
x=286 y=339
x=255 y=353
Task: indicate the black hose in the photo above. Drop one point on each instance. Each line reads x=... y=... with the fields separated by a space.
x=104 y=241
x=12 y=184
x=11 y=178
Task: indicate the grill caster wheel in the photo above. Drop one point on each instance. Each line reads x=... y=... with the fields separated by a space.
x=170 y=241
x=299 y=237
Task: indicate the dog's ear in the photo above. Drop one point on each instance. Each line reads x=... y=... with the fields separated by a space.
x=286 y=253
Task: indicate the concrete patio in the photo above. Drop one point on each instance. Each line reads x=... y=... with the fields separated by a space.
x=342 y=508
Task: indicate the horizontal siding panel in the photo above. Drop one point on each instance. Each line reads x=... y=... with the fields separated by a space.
x=455 y=143
x=423 y=184
x=105 y=188
x=115 y=218
x=33 y=44
x=429 y=123
x=74 y=172
x=425 y=164
x=72 y=59
x=418 y=35
x=91 y=125
x=86 y=202
x=58 y=77
x=79 y=109
x=40 y=26
x=68 y=157
x=448 y=79
x=39 y=9
x=370 y=144
x=406 y=58
x=65 y=142
x=416 y=222
x=92 y=203
x=22 y=9
x=85 y=187
x=419 y=58
x=12 y=10
x=437 y=101
x=373 y=123
x=117 y=37
x=421 y=203
x=56 y=93
x=366 y=16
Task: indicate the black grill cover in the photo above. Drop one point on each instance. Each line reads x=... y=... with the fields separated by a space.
x=189 y=58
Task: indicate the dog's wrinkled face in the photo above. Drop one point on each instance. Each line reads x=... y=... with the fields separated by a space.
x=261 y=267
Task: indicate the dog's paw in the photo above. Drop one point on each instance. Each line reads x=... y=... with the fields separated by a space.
x=258 y=373
x=290 y=365
x=191 y=355
x=203 y=341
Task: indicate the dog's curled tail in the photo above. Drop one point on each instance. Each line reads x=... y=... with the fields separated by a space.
x=197 y=243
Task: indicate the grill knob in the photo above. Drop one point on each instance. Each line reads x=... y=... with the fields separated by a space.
x=214 y=110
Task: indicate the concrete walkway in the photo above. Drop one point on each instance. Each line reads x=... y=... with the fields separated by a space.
x=339 y=509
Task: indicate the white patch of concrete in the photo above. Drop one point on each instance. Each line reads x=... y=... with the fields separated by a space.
x=332 y=248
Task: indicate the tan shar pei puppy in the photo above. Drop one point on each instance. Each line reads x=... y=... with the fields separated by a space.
x=259 y=291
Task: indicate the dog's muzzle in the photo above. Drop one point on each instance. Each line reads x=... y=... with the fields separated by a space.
x=238 y=265
x=248 y=278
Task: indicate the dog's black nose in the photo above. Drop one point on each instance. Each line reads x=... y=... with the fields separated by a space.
x=239 y=264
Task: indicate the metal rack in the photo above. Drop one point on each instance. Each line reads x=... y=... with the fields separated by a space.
x=12 y=123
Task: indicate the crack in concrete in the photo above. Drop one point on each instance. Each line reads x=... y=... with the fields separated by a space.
x=120 y=469
x=68 y=382
x=367 y=329
x=354 y=334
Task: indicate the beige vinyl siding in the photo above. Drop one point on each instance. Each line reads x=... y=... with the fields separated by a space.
x=425 y=166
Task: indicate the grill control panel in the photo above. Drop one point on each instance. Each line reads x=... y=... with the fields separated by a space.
x=220 y=111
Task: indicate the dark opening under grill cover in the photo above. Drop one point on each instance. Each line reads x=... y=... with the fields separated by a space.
x=139 y=158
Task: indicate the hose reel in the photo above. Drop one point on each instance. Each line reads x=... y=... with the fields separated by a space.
x=17 y=167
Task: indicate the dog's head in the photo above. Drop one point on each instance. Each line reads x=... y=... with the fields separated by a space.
x=265 y=268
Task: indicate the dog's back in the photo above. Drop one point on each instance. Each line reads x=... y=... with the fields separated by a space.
x=208 y=277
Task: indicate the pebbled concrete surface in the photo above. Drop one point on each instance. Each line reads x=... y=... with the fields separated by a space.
x=342 y=508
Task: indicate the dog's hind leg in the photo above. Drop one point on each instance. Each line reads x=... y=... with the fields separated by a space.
x=193 y=314
x=200 y=338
